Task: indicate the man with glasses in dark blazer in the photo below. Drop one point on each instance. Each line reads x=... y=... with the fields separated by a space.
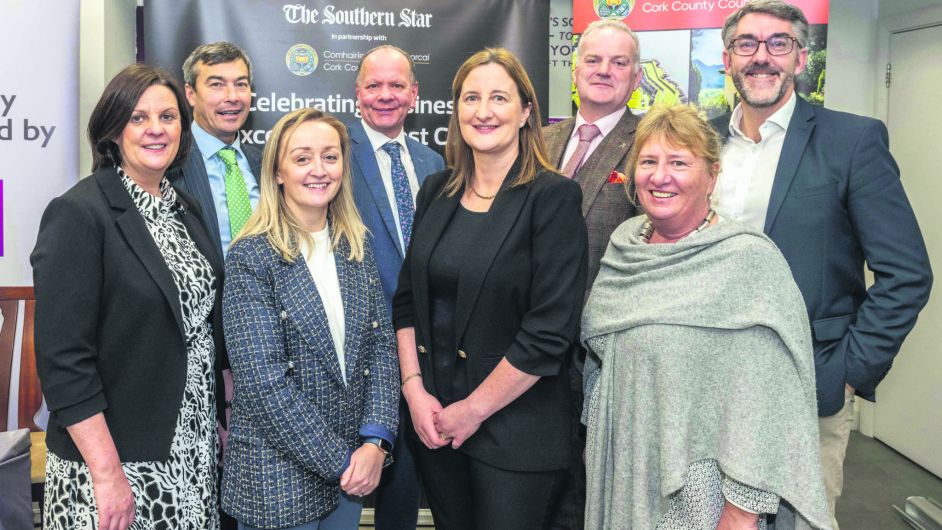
x=825 y=188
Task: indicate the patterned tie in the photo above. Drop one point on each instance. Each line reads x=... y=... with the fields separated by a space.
x=237 y=195
x=587 y=133
x=403 y=191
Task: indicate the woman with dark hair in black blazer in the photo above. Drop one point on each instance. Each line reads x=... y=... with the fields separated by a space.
x=487 y=309
x=128 y=325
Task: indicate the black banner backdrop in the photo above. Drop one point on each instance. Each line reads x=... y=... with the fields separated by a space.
x=305 y=54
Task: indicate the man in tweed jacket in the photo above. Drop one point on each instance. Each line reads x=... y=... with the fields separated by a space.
x=608 y=70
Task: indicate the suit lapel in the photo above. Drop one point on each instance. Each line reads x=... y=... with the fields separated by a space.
x=365 y=158
x=595 y=171
x=349 y=275
x=303 y=302
x=434 y=221
x=196 y=227
x=557 y=138
x=501 y=218
x=254 y=157
x=197 y=182
x=796 y=138
x=131 y=224
x=420 y=163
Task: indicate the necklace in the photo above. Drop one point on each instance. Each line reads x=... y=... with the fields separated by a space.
x=479 y=196
x=647 y=229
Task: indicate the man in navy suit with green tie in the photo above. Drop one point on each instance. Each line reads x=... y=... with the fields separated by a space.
x=220 y=172
x=388 y=168
x=825 y=188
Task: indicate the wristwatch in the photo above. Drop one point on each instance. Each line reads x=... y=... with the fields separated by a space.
x=384 y=445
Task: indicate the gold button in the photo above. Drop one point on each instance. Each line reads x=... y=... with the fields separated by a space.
x=421 y=349
x=462 y=354
x=375 y=324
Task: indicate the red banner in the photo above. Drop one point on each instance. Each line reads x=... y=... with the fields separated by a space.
x=660 y=15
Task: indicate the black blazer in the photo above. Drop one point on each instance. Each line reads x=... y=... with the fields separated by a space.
x=520 y=298
x=109 y=330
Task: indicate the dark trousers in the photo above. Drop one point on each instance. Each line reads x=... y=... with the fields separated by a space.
x=226 y=521
x=570 y=512
x=397 y=496
x=466 y=494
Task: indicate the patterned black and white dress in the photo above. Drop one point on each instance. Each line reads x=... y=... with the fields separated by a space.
x=178 y=493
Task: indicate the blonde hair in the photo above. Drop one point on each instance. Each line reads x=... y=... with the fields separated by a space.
x=681 y=126
x=532 y=152
x=273 y=219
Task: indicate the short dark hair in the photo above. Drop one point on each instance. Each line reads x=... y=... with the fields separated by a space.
x=210 y=54
x=116 y=105
x=776 y=8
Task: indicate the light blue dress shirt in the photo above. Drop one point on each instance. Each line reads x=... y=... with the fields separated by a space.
x=216 y=171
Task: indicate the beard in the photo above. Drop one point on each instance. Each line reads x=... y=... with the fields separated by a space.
x=766 y=97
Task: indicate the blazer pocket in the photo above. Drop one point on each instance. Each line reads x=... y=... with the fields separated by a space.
x=824 y=189
x=833 y=328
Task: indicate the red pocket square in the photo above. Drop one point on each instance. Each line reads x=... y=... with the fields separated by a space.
x=616 y=178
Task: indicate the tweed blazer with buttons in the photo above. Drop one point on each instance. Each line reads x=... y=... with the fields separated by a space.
x=605 y=203
x=294 y=421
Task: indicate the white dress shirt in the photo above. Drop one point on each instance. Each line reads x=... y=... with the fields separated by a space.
x=324 y=271
x=605 y=125
x=748 y=168
x=377 y=141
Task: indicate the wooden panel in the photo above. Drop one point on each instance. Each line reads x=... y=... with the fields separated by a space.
x=31 y=397
x=9 y=309
x=16 y=293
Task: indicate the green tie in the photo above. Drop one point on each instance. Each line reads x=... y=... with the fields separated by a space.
x=237 y=195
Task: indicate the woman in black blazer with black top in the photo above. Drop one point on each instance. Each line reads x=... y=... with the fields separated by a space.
x=487 y=309
x=128 y=325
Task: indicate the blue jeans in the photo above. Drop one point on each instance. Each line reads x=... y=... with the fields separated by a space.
x=345 y=517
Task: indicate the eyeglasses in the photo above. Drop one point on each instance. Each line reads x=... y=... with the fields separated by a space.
x=747 y=46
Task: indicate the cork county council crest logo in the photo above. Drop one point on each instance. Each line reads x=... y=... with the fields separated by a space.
x=613 y=9
x=301 y=59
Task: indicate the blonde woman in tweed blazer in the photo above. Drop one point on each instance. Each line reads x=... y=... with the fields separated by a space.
x=311 y=347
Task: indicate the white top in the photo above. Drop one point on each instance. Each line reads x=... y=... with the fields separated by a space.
x=605 y=125
x=324 y=271
x=748 y=168
x=378 y=140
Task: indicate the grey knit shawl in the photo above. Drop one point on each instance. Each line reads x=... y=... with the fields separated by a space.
x=700 y=349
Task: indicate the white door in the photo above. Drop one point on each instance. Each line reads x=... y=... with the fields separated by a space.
x=908 y=412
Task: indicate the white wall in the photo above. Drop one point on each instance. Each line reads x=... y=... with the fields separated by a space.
x=852 y=55
x=108 y=44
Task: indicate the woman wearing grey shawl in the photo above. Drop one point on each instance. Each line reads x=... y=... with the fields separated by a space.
x=700 y=371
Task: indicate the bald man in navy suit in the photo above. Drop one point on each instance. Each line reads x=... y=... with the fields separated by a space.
x=388 y=168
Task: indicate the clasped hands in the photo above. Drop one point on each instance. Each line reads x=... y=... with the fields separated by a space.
x=439 y=426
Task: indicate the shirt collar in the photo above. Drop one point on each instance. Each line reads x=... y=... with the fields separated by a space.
x=781 y=117
x=209 y=145
x=605 y=124
x=378 y=139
